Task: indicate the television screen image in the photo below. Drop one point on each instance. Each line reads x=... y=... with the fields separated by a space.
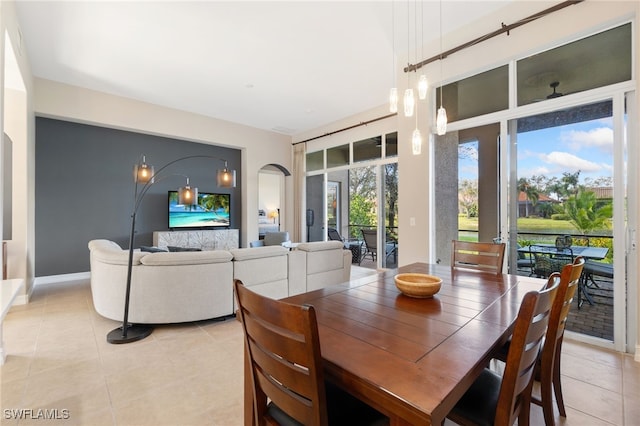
x=211 y=211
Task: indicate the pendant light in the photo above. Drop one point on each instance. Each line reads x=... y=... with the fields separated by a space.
x=187 y=195
x=143 y=172
x=441 y=118
x=416 y=139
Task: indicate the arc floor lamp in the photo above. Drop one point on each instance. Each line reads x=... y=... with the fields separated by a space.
x=144 y=175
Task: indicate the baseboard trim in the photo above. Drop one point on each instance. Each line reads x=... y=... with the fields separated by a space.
x=55 y=279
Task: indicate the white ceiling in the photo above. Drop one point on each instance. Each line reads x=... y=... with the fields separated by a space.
x=286 y=66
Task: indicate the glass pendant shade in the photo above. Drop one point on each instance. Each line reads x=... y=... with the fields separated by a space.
x=441 y=121
x=226 y=178
x=187 y=196
x=423 y=86
x=416 y=142
x=143 y=172
x=393 y=100
x=409 y=103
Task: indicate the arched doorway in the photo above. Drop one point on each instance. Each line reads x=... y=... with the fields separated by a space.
x=271 y=199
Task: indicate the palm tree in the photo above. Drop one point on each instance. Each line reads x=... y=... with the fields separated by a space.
x=585 y=214
x=530 y=191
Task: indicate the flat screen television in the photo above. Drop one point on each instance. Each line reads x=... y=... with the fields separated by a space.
x=212 y=211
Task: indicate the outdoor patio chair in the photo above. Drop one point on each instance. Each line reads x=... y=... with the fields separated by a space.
x=370 y=237
x=547 y=260
x=525 y=260
x=592 y=269
x=334 y=235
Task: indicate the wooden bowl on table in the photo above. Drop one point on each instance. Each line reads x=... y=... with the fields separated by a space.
x=418 y=285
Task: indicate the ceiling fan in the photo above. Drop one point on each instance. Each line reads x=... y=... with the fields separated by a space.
x=555 y=94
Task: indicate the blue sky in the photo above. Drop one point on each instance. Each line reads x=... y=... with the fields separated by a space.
x=586 y=146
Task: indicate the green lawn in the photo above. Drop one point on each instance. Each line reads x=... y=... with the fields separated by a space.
x=526 y=224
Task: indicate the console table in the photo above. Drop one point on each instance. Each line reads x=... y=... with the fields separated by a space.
x=214 y=239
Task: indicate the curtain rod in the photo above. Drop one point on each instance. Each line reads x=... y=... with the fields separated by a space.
x=362 y=123
x=503 y=29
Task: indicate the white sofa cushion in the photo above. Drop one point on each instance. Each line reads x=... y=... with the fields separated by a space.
x=258 y=252
x=186 y=258
x=264 y=269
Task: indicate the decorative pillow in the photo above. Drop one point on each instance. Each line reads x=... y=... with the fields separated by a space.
x=152 y=249
x=174 y=248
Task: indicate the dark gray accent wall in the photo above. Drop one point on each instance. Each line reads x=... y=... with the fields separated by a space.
x=84 y=188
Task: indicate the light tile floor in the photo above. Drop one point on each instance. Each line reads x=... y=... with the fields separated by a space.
x=59 y=361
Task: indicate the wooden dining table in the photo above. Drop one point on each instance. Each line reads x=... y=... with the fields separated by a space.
x=412 y=359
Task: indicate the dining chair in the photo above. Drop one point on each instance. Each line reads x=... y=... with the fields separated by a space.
x=495 y=399
x=479 y=256
x=548 y=366
x=283 y=352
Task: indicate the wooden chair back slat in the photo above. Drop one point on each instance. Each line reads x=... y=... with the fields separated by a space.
x=529 y=330
x=550 y=356
x=478 y=256
x=283 y=348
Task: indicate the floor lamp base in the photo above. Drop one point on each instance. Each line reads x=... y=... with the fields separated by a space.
x=134 y=333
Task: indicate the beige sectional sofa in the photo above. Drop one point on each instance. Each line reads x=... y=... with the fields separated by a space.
x=173 y=287
x=165 y=287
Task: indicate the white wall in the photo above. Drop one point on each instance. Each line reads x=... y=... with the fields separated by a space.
x=258 y=147
x=17 y=121
x=269 y=184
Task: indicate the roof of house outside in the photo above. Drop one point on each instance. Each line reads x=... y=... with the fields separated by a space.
x=602 y=192
x=542 y=198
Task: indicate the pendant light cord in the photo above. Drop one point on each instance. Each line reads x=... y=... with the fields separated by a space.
x=441 y=73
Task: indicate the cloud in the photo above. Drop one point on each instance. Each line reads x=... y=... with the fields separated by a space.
x=570 y=162
x=535 y=171
x=601 y=137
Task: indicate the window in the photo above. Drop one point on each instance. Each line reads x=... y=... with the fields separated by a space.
x=338 y=156
x=367 y=149
x=477 y=95
x=315 y=161
x=599 y=60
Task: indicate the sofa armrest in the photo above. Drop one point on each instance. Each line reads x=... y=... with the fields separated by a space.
x=108 y=252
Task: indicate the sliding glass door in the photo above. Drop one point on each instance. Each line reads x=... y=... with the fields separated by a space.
x=352 y=190
x=565 y=186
